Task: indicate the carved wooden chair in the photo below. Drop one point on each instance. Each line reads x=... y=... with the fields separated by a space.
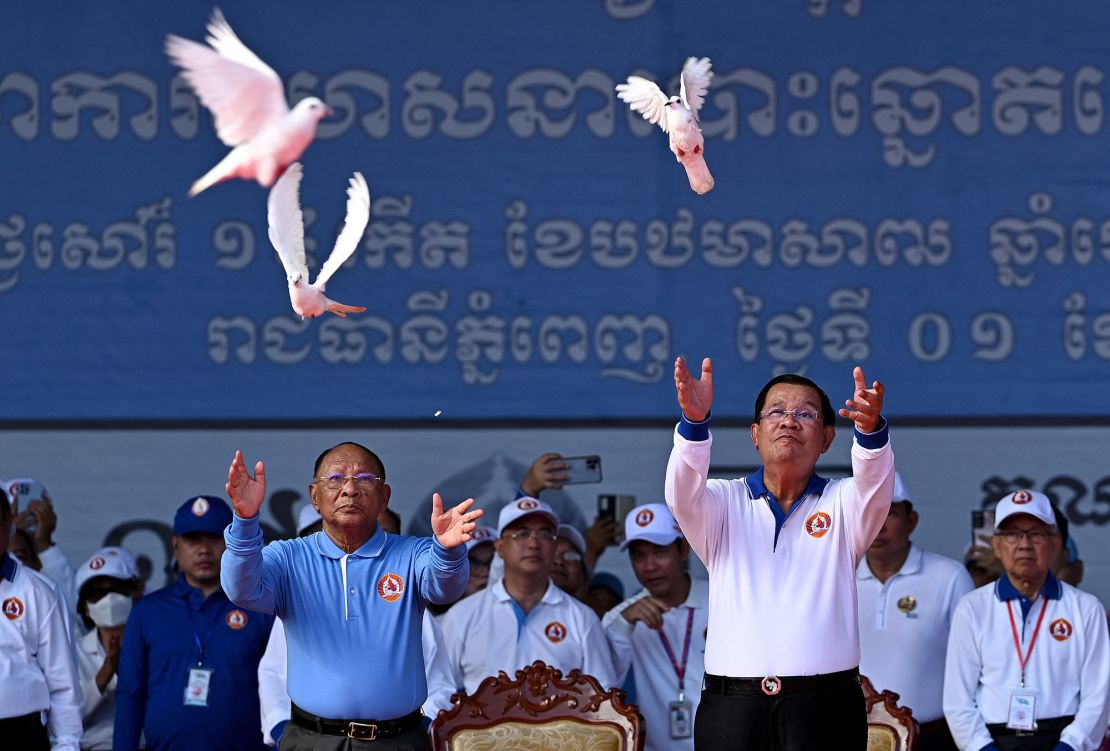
x=539 y=710
x=889 y=726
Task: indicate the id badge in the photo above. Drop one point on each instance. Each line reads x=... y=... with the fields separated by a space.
x=196 y=690
x=682 y=719
x=1023 y=706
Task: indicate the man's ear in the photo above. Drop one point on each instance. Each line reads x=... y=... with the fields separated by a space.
x=386 y=492
x=830 y=434
x=312 y=496
x=755 y=435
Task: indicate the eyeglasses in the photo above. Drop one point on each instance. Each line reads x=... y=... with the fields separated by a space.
x=779 y=414
x=1013 y=536
x=364 y=480
x=543 y=535
x=571 y=555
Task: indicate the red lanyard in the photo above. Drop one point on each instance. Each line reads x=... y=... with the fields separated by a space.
x=1032 y=642
x=680 y=670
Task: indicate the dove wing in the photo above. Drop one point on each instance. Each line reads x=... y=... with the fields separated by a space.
x=358 y=216
x=696 y=75
x=645 y=97
x=243 y=93
x=283 y=214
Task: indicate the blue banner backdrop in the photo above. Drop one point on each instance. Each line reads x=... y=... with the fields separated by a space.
x=921 y=188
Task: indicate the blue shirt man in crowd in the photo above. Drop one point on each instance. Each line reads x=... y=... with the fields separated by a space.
x=188 y=670
x=351 y=598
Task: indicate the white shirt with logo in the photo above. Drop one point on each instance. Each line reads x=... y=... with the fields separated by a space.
x=482 y=636
x=37 y=668
x=785 y=608
x=1069 y=666
x=903 y=627
x=637 y=646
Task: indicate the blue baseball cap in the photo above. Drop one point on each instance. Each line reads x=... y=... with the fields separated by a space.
x=202 y=513
x=608 y=581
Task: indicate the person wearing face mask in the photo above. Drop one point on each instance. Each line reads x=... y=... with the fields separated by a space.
x=108 y=584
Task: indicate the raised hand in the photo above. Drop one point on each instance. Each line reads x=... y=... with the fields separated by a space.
x=866 y=405
x=695 y=396
x=547 y=471
x=246 y=492
x=453 y=527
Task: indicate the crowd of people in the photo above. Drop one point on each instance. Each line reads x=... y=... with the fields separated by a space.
x=353 y=636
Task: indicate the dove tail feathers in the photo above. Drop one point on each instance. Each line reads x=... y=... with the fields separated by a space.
x=342 y=310
x=226 y=169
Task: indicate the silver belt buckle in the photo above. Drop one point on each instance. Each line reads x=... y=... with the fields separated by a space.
x=362 y=731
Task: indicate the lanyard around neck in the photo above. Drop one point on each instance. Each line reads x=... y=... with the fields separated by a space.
x=680 y=668
x=1023 y=661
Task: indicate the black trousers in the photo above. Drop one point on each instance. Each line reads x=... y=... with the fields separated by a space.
x=812 y=720
x=1045 y=739
x=27 y=733
x=296 y=738
x=935 y=736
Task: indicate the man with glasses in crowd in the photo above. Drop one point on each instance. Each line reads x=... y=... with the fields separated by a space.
x=524 y=617
x=1028 y=663
x=781 y=547
x=351 y=599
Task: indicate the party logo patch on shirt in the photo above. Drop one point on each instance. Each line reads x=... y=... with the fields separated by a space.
x=236 y=619
x=818 y=524
x=13 y=608
x=1060 y=629
x=644 y=517
x=555 y=632
x=391 y=587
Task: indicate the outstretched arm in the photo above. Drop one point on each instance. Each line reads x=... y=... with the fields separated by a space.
x=447 y=570
x=247 y=577
x=872 y=464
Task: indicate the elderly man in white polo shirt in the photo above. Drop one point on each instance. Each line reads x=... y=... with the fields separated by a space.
x=781 y=546
x=524 y=617
x=906 y=600
x=1028 y=663
x=660 y=631
x=38 y=674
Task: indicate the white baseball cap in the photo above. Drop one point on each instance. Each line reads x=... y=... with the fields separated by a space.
x=575 y=537
x=901 y=492
x=651 y=522
x=306 y=517
x=480 y=536
x=112 y=561
x=522 y=507
x=1029 y=502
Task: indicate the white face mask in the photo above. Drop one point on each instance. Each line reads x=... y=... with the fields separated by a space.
x=110 y=610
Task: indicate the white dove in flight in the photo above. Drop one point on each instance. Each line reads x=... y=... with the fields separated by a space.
x=247 y=99
x=677 y=116
x=287 y=236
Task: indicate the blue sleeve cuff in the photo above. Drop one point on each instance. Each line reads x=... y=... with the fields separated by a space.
x=448 y=554
x=277 y=731
x=694 y=431
x=877 y=439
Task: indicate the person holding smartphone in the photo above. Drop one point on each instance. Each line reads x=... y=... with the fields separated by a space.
x=781 y=546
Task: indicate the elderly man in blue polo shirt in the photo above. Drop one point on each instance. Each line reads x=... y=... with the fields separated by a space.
x=188 y=670
x=781 y=546
x=351 y=598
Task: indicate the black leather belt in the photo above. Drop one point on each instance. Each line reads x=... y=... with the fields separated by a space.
x=363 y=730
x=1045 y=726
x=788 y=684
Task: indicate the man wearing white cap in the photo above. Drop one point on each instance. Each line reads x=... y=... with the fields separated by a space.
x=36 y=663
x=1028 y=664
x=480 y=551
x=524 y=616
x=108 y=584
x=660 y=632
x=568 y=569
x=906 y=600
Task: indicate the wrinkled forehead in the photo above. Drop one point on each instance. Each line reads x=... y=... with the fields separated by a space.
x=349 y=459
x=792 y=395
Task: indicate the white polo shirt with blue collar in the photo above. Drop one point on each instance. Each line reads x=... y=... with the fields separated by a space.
x=1069 y=667
x=903 y=627
x=782 y=594
x=488 y=632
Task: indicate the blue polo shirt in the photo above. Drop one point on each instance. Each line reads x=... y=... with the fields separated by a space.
x=352 y=621
x=166 y=634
